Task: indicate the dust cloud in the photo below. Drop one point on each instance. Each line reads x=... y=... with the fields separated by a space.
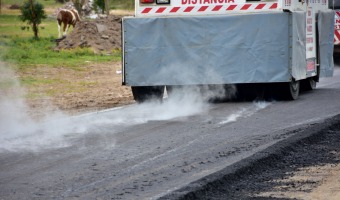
x=182 y=103
x=245 y=112
x=20 y=132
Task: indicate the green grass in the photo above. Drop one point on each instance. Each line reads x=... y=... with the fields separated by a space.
x=31 y=81
x=46 y=3
x=114 y=4
x=11 y=25
x=18 y=46
x=122 y=4
x=10 y=2
x=26 y=52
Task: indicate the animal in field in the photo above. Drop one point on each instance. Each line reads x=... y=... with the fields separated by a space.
x=67 y=18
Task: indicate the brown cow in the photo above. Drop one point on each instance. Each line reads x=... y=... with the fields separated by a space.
x=67 y=17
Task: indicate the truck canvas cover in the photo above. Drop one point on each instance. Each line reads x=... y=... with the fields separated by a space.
x=252 y=48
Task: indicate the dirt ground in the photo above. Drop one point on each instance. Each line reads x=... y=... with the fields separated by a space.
x=96 y=87
x=102 y=34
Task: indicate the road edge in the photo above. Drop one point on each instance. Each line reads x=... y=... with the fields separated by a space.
x=195 y=189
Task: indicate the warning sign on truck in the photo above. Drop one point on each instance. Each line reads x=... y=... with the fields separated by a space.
x=337 y=28
x=310 y=33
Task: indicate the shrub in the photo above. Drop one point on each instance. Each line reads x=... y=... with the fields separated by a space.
x=32 y=12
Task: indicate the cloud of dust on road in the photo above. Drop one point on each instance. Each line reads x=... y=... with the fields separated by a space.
x=245 y=112
x=182 y=102
x=18 y=129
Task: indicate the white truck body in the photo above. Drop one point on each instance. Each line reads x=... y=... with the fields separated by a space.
x=198 y=42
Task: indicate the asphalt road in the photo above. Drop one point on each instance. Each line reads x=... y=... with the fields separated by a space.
x=150 y=150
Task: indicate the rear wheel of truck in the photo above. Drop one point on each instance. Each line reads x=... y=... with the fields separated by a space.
x=308 y=84
x=291 y=90
x=147 y=93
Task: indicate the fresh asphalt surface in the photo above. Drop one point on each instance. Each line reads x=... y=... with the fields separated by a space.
x=149 y=151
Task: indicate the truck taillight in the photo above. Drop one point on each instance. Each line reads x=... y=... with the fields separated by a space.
x=147 y=1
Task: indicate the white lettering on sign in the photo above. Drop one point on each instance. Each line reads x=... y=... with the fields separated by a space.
x=187 y=2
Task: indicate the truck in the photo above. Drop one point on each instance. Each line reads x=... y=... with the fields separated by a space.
x=284 y=45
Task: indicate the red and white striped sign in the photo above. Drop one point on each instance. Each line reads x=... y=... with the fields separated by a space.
x=337 y=28
x=205 y=9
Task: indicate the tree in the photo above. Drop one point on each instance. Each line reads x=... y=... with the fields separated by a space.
x=77 y=4
x=32 y=12
x=100 y=4
x=107 y=7
x=104 y=6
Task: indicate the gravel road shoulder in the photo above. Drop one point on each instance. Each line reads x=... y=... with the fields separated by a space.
x=305 y=166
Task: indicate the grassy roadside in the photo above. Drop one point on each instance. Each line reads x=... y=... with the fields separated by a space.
x=44 y=72
x=18 y=47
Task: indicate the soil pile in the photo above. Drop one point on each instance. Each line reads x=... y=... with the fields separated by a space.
x=103 y=34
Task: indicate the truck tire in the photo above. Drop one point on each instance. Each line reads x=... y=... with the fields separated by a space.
x=291 y=90
x=308 y=84
x=147 y=93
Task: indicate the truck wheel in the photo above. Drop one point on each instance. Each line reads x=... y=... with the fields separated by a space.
x=308 y=84
x=146 y=93
x=291 y=90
